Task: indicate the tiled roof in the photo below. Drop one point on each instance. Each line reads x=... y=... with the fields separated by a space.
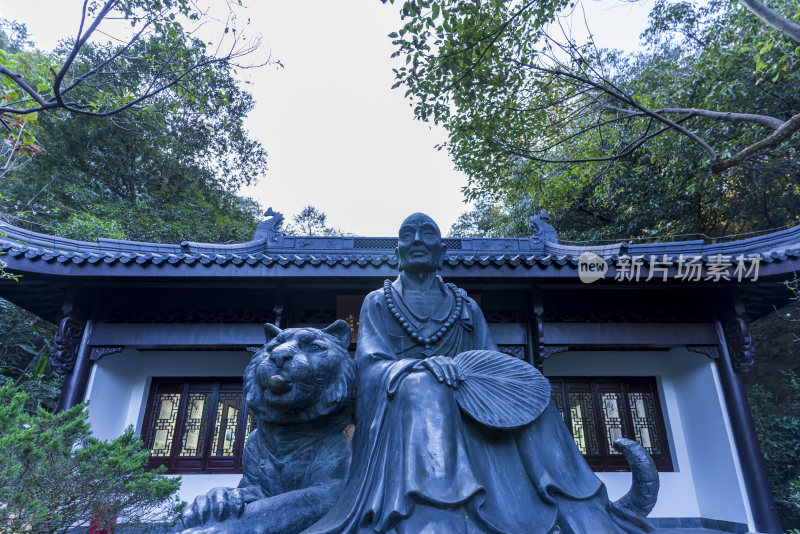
x=276 y=250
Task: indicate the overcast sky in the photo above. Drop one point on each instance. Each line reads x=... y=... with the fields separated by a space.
x=338 y=138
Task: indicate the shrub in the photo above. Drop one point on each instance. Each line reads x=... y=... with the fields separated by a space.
x=55 y=477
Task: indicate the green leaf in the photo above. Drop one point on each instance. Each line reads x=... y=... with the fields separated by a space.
x=41 y=367
x=27 y=348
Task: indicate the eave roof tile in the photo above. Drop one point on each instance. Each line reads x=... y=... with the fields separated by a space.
x=315 y=251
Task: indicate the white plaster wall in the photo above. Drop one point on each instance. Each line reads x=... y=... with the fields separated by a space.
x=119 y=385
x=706 y=481
x=720 y=488
x=194 y=485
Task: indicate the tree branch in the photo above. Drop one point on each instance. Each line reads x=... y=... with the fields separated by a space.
x=79 y=42
x=779 y=136
x=763 y=120
x=624 y=153
x=20 y=81
x=147 y=94
x=712 y=154
x=102 y=64
x=14 y=146
x=782 y=24
x=582 y=131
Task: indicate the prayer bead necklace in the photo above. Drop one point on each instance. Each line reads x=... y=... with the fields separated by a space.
x=408 y=327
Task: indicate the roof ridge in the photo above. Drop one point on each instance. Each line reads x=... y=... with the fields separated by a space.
x=316 y=250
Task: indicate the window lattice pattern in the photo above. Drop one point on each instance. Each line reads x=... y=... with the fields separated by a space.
x=645 y=429
x=163 y=426
x=374 y=243
x=582 y=415
x=251 y=425
x=598 y=411
x=390 y=243
x=195 y=424
x=228 y=408
x=452 y=243
x=614 y=422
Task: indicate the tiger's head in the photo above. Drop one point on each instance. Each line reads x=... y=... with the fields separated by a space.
x=300 y=374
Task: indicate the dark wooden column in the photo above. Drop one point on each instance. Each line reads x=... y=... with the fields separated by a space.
x=736 y=357
x=536 y=328
x=71 y=353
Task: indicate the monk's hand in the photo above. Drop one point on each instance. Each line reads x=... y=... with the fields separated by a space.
x=444 y=369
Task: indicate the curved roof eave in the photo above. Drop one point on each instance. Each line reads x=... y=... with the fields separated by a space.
x=277 y=255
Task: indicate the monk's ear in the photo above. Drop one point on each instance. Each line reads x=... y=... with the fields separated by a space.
x=270 y=331
x=340 y=331
x=442 y=252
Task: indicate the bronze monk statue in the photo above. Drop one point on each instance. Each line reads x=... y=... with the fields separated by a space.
x=420 y=464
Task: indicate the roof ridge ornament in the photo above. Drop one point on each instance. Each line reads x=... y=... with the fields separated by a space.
x=268 y=230
x=543 y=231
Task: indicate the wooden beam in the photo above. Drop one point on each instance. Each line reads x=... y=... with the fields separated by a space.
x=508 y=333
x=150 y=335
x=629 y=334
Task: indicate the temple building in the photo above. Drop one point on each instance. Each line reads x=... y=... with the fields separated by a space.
x=646 y=341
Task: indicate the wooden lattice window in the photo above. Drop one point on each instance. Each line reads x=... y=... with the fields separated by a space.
x=200 y=426
x=598 y=411
x=196 y=425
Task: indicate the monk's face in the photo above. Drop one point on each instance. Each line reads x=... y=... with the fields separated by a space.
x=419 y=247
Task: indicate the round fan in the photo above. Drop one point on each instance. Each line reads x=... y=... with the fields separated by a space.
x=500 y=391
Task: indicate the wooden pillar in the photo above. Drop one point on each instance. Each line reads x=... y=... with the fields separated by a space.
x=71 y=354
x=279 y=307
x=536 y=328
x=74 y=387
x=736 y=357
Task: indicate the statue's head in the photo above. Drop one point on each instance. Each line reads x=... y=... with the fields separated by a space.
x=419 y=245
x=300 y=374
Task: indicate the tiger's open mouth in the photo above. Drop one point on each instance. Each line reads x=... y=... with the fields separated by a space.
x=278 y=385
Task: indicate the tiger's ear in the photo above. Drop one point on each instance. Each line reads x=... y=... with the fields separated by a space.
x=340 y=331
x=270 y=331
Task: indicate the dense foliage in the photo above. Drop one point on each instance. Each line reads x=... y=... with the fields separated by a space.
x=85 y=79
x=532 y=113
x=57 y=478
x=165 y=170
x=24 y=355
x=774 y=393
x=776 y=415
